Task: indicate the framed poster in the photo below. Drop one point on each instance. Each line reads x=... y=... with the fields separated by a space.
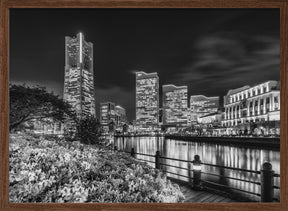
x=143 y=105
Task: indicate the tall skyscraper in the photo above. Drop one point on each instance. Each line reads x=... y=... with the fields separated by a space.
x=79 y=77
x=201 y=105
x=175 y=105
x=147 y=101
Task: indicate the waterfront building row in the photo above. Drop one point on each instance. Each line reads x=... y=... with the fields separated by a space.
x=259 y=103
x=175 y=112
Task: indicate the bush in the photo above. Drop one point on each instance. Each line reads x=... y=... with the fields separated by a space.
x=88 y=130
x=53 y=170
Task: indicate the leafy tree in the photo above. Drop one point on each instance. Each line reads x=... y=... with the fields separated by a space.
x=125 y=128
x=253 y=126
x=111 y=126
x=35 y=103
x=88 y=130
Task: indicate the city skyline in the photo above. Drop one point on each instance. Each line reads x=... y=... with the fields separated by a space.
x=233 y=52
x=185 y=98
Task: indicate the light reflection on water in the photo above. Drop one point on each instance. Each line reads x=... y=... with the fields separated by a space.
x=224 y=155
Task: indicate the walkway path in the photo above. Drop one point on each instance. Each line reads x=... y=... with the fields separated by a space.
x=202 y=196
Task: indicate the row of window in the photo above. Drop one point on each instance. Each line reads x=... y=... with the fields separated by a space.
x=244 y=113
x=234 y=123
x=248 y=94
x=250 y=104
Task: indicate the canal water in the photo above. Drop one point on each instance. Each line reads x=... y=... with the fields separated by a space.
x=218 y=154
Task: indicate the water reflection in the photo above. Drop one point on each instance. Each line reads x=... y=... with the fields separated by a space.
x=223 y=155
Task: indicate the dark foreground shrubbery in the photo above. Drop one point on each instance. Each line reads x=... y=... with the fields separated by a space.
x=88 y=130
x=43 y=170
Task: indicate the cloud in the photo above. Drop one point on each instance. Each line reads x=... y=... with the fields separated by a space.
x=226 y=61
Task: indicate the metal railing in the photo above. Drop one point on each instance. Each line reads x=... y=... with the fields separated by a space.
x=266 y=182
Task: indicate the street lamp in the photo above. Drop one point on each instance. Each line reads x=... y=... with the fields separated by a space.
x=197 y=173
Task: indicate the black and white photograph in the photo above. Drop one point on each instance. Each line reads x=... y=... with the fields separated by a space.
x=130 y=105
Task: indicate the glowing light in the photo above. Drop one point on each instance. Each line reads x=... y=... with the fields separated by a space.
x=197 y=167
x=81 y=47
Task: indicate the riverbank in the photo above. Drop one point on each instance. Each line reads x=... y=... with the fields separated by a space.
x=272 y=143
x=50 y=169
x=140 y=135
x=264 y=142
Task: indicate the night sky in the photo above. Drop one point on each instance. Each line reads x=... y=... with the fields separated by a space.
x=210 y=50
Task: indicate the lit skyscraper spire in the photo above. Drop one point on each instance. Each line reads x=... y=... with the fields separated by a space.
x=81 y=47
x=79 y=77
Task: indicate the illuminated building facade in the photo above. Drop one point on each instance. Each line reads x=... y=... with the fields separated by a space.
x=121 y=118
x=112 y=116
x=213 y=119
x=260 y=103
x=47 y=126
x=107 y=113
x=175 y=105
x=79 y=79
x=201 y=105
x=147 y=101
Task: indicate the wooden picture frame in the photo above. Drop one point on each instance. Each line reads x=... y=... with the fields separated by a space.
x=5 y=5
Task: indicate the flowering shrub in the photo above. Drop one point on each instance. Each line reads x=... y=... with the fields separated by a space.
x=46 y=169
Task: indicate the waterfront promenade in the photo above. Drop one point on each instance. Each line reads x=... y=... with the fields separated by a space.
x=210 y=192
x=206 y=195
x=192 y=196
x=231 y=165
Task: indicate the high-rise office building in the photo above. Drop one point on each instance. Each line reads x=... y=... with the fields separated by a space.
x=112 y=116
x=79 y=78
x=107 y=116
x=107 y=113
x=147 y=101
x=201 y=105
x=121 y=118
x=175 y=105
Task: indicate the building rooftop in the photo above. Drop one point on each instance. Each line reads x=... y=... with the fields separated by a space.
x=171 y=86
x=234 y=91
x=140 y=74
x=203 y=96
x=118 y=106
